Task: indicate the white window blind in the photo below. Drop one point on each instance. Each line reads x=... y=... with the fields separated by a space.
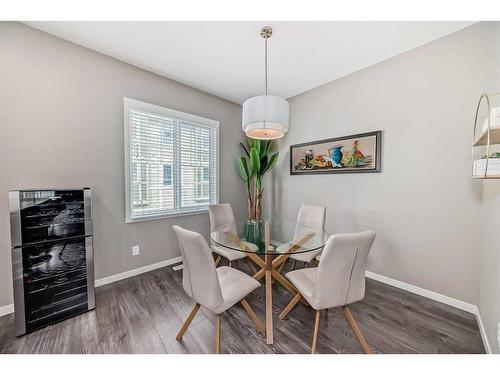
x=170 y=160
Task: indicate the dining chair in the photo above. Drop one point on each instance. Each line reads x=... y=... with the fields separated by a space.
x=339 y=280
x=216 y=289
x=310 y=218
x=222 y=219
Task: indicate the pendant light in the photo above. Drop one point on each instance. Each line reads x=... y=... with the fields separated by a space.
x=265 y=116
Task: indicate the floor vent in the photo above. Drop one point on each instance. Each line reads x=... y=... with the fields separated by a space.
x=177 y=267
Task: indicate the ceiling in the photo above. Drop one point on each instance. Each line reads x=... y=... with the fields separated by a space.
x=227 y=58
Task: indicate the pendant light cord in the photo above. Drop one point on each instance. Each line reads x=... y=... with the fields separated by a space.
x=266 y=63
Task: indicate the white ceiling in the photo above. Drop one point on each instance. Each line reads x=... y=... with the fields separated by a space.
x=227 y=58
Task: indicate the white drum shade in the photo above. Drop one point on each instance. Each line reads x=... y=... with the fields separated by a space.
x=265 y=117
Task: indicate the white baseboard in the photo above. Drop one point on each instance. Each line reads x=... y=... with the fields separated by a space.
x=6 y=310
x=424 y=292
x=136 y=271
x=482 y=330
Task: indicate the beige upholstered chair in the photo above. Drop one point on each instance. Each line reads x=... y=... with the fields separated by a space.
x=339 y=280
x=222 y=219
x=310 y=219
x=216 y=289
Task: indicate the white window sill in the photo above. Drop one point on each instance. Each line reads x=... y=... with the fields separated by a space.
x=129 y=220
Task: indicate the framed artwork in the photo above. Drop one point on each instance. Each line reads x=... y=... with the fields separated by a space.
x=358 y=153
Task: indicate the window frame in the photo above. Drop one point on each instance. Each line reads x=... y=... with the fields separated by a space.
x=129 y=103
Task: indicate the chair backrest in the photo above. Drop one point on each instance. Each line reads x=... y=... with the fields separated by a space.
x=310 y=218
x=221 y=217
x=199 y=276
x=341 y=271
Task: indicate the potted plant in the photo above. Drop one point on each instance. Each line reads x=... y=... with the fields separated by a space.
x=259 y=157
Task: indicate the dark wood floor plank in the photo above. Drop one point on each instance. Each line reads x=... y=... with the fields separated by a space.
x=143 y=314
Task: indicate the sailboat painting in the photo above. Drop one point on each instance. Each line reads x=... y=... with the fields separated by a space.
x=359 y=153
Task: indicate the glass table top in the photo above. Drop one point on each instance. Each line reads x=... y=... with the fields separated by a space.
x=285 y=236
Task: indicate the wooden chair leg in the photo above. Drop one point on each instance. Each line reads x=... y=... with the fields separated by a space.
x=188 y=321
x=315 y=332
x=357 y=331
x=217 y=260
x=290 y=306
x=217 y=334
x=253 y=316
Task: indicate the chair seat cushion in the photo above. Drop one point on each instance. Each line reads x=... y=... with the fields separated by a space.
x=234 y=285
x=301 y=257
x=307 y=256
x=227 y=253
x=304 y=280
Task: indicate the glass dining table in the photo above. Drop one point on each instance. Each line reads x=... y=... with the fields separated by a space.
x=269 y=244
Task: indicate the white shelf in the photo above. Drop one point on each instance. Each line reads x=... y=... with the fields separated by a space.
x=494 y=138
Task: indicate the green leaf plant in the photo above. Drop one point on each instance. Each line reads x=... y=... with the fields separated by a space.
x=259 y=157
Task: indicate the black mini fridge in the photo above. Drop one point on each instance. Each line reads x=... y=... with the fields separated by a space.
x=52 y=256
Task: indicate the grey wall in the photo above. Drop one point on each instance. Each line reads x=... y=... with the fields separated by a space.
x=61 y=118
x=489 y=285
x=424 y=205
x=489 y=291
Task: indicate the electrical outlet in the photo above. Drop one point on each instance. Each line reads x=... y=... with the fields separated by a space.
x=136 y=250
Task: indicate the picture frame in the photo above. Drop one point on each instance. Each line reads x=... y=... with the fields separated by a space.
x=357 y=153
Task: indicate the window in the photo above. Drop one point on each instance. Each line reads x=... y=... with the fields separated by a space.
x=171 y=163
x=167 y=175
x=206 y=174
x=167 y=135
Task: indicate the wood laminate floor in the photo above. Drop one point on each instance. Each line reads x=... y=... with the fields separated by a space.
x=142 y=314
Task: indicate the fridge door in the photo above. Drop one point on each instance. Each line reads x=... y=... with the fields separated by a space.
x=47 y=215
x=54 y=282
